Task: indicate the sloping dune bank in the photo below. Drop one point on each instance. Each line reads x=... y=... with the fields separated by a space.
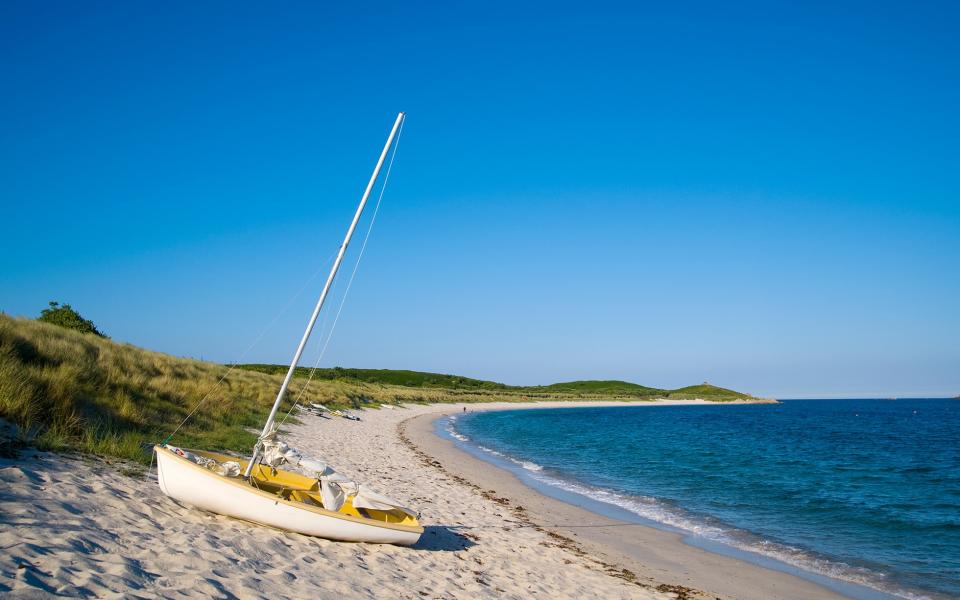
x=78 y=527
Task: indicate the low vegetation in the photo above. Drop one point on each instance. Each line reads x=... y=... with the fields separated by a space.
x=417 y=379
x=66 y=390
x=612 y=389
x=606 y=388
x=706 y=391
x=65 y=316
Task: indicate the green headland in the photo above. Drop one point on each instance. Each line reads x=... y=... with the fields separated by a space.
x=608 y=389
x=64 y=389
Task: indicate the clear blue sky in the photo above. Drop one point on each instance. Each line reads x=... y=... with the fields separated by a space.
x=763 y=196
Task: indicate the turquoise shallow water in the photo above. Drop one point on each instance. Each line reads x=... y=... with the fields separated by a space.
x=865 y=491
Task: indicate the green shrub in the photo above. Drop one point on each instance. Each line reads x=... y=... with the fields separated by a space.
x=65 y=316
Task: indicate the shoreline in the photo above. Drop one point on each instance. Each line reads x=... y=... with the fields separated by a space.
x=109 y=534
x=653 y=553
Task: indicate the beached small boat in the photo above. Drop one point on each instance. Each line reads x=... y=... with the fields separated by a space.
x=321 y=502
x=276 y=498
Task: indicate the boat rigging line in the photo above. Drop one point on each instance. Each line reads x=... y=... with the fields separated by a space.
x=263 y=332
x=281 y=394
x=353 y=274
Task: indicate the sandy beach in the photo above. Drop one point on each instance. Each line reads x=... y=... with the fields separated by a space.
x=79 y=527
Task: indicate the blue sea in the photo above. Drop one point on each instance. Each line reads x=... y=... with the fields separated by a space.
x=865 y=492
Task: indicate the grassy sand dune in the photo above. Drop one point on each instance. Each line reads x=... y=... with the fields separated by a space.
x=71 y=391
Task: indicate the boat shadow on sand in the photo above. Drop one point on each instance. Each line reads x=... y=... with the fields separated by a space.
x=440 y=538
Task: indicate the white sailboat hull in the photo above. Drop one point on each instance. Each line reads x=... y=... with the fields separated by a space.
x=189 y=483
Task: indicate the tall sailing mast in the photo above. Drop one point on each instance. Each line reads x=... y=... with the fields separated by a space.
x=323 y=295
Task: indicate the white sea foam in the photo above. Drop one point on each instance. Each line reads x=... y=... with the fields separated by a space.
x=524 y=464
x=530 y=466
x=450 y=429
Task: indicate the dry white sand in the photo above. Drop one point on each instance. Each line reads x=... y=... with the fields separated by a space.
x=78 y=527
